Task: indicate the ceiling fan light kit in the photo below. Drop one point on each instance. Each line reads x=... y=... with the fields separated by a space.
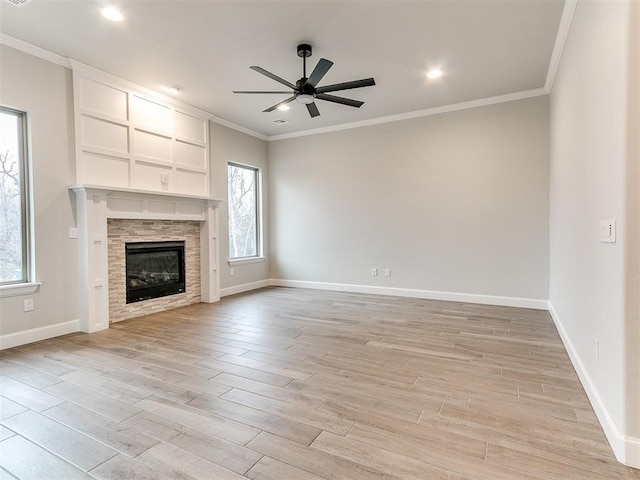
x=304 y=98
x=306 y=89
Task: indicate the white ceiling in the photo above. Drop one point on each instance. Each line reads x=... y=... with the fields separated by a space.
x=486 y=48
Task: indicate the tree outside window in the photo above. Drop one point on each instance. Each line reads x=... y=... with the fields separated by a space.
x=13 y=198
x=243 y=211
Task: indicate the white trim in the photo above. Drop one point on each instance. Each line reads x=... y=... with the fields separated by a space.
x=225 y=292
x=632 y=452
x=239 y=128
x=510 y=97
x=561 y=40
x=246 y=260
x=616 y=439
x=153 y=193
x=17 y=289
x=25 y=47
x=36 y=334
x=534 y=303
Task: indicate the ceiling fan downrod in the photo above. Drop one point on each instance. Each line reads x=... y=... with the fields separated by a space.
x=304 y=51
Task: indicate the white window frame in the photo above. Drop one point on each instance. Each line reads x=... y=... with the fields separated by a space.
x=27 y=285
x=259 y=257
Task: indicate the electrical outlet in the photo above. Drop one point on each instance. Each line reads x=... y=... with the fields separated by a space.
x=73 y=232
x=28 y=305
x=164 y=177
x=387 y=272
x=374 y=272
x=232 y=272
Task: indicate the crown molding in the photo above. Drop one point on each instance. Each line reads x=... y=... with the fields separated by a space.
x=25 y=47
x=561 y=40
x=416 y=114
x=239 y=128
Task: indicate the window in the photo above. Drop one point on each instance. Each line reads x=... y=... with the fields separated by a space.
x=14 y=198
x=244 y=212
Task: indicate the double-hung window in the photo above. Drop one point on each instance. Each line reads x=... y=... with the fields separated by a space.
x=15 y=261
x=245 y=236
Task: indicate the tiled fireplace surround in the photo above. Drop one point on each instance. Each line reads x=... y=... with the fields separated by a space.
x=119 y=233
x=107 y=218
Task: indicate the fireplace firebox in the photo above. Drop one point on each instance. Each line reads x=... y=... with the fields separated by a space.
x=154 y=269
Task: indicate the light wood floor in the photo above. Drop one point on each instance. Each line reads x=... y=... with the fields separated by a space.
x=295 y=384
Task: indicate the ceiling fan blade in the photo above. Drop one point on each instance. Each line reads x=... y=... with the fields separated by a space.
x=320 y=71
x=365 y=82
x=284 y=102
x=245 y=91
x=313 y=110
x=342 y=100
x=273 y=77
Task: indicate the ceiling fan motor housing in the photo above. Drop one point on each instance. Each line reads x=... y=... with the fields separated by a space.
x=303 y=87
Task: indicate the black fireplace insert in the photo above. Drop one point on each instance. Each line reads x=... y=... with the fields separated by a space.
x=154 y=269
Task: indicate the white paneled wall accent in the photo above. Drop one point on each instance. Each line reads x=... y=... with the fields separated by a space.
x=128 y=137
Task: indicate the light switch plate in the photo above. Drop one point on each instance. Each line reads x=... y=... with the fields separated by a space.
x=608 y=231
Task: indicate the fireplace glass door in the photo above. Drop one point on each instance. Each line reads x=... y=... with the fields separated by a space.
x=154 y=269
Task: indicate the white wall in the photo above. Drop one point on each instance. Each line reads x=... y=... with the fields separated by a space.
x=589 y=121
x=43 y=89
x=228 y=145
x=456 y=202
x=632 y=263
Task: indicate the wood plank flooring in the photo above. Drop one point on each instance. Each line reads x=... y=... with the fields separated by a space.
x=297 y=384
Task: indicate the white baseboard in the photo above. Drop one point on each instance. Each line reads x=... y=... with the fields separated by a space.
x=414 y=293
x=632 y=452
x=36 y=334
x=625 y=448
x=245 y=287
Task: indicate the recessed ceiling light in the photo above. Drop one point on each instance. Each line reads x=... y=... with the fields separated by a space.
x=112 y=13
x=283 y=108
x=173 y=89
x=435 y=73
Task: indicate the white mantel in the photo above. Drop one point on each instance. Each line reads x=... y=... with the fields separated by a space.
x=95 y=204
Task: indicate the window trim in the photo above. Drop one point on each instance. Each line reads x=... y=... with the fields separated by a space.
x=259 y=256
x=19 y=289
x=27 y=284
x=246 y=260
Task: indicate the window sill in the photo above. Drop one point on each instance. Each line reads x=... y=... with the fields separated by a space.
x=245 y=261
x=18 y=289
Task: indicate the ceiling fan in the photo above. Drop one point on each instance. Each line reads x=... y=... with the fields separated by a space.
x=306 y=90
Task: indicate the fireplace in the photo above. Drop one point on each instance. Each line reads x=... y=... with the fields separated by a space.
x=154 y=269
